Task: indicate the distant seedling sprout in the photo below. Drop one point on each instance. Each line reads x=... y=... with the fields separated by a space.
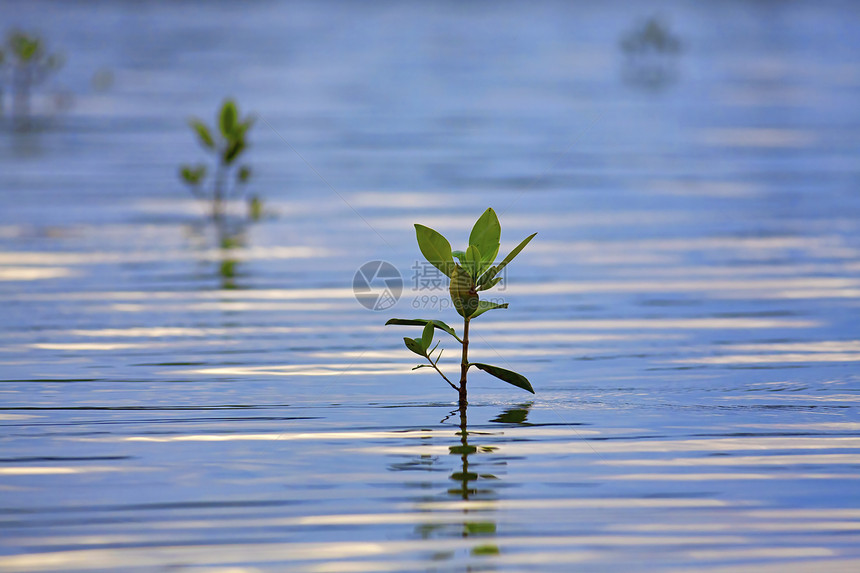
x=28 y=64
x=653 y=35
x=475 y=272
x=226 y=142
x=651 y=50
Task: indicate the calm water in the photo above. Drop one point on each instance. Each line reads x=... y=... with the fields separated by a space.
x=688 y=313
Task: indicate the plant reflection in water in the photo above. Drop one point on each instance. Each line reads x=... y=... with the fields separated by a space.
x=651 y=55
x=226 y=141
x=230 y=236
x=472 y=480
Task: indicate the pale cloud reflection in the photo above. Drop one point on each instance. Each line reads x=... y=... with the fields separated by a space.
x=155 y=255
x=759 y=288
x=769 y=460
x=60 y=470
x=758 y=137
x=319 y=369
x=34 y=273
x=715 y=323
x=786 y=358
x=578 y=446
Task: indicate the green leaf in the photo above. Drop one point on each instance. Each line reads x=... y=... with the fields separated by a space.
x=487 y=261
x=493 y=271
x=233 y=151
x=490 y=284
x=436 y=249
x=421 y=322
x=202 y=133
x=461 y=256
x=192 y=175
x=464 y=298
x=427 y=336
x=228 y=118
x=486 y=234
x=473 y=262
x=242 y=128
x=243 y=174
x=185 y=173
x=485 y=305
x=488 y=277
x=508 y=376
x=24 y=47
x=414 y=345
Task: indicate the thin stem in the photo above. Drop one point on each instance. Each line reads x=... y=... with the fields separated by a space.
x=464 y=363
x=436 y=368
x=22 y=81
x=195 y=190
x=218 y=192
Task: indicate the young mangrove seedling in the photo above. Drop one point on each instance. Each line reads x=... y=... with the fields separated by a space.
x=226 y=143
x=475 y=272
x=29 y=65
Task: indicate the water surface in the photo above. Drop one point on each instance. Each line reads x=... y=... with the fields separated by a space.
x=687 y=313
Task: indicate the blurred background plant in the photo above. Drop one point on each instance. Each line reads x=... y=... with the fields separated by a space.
x=25 y=63
x=226 y=141
x=651 y=53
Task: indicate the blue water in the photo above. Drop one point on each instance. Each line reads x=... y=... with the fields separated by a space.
x=687 y=313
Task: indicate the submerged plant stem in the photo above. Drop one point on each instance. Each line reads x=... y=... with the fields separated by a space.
x=464 y=457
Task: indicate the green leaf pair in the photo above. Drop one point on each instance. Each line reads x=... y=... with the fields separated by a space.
x=231 y=129
x=420 y=345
